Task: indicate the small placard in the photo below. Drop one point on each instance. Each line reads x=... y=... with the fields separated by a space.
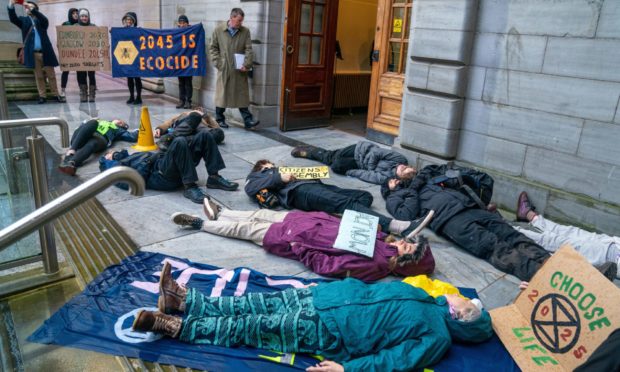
x=357 y=233
x=398 y=25
x=307 y=173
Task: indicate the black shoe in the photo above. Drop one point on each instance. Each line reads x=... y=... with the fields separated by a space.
x=130 y=101
x=219 y=182
x=609 y=270
x=185 y=220
x=302 y=151
x=223 y=124
x=195 y=194
x=61 y=99
x=67 y=167
x=188 y=105
x=138 y=101
x=180 y=104
x=251 y=124
x=416 y=226
x=41 y=100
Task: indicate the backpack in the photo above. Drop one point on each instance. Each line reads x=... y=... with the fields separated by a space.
x=475 y=184
x=142 y=162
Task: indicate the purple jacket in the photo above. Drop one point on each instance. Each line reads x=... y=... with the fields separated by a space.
x=308 y=237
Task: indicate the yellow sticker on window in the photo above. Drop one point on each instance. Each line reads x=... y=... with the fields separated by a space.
x=398 y=25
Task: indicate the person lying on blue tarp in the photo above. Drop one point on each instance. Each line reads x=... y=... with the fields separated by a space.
x=355 y=326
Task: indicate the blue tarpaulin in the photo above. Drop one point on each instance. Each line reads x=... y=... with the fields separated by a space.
x=100 y=319
x=144 y=52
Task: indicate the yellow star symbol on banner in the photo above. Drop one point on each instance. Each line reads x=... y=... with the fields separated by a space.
x=125 y=52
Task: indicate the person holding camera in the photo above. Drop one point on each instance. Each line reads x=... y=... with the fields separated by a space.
x=37 y=52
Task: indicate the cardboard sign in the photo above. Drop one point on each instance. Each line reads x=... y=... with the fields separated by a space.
x=83 y=48
x=357 y=233
x=567 y=311
x=307 y=173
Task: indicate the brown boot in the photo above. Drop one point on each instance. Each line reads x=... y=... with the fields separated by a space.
x=91 y=93
x=171 y=295
x=154 y=321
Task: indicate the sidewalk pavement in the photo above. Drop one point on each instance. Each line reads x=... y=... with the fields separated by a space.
x=146 y=219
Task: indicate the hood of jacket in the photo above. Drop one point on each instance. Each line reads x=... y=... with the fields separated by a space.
x=69 y=18
x=82 y=11
x=132 y=15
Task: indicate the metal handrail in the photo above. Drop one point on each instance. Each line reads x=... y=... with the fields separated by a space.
x=39 y=122
x=70 y=200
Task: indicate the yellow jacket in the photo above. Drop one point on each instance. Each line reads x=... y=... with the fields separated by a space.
x=435 y=287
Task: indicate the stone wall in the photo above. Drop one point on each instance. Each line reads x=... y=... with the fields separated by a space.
x=526 y=89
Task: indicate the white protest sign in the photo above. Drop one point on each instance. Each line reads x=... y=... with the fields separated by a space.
x=357 y=233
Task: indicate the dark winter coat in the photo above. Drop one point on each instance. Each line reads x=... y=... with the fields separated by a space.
x=131 y=15
x=375 y=163
x=41 y=24
x=270 y=179
x=420 y=196
x=70 y=20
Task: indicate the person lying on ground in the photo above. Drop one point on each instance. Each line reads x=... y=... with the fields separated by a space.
x=461 y=218
x=266 y=182
x=206 y=123
x=93 y=136
x=309 y=237
x=168 y=170
x=599 y=249
x=354 y=326
x=364 y=160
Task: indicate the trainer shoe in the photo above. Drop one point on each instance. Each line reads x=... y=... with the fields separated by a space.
x=67 y=167
x=417 y=225
x=195 y=194
x=185 y=220
x=219 y=182
x=212 y=210
x=523 y=207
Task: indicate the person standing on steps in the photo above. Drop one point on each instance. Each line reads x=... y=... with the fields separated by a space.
x=230 y=40
x=185 y=82
x=130 y=19
x=72 y=19
x=87 y=89
x=38 y=51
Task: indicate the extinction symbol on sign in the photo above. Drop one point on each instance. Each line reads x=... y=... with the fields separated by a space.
x=556 y=323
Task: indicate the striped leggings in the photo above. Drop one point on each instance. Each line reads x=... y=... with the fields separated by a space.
x=284 y=321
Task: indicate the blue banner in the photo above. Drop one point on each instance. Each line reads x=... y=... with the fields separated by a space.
x=100 y=319
x=144 y=52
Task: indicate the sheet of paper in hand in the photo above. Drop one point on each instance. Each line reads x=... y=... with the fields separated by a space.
x=566 y=312
x=307 y=173
x=357 y=233
x=239 y=59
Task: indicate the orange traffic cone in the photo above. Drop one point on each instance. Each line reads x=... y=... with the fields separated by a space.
x=146 y=142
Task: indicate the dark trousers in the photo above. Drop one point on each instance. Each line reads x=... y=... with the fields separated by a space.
x=81 y=77
x=137 y=83
x=488 y=236
x=333 y=199
x=178 y=165
x=245 y=114
x=64 y=78
x=605 y=357
x=86 y=141
x=340 y=160
x=185 y=88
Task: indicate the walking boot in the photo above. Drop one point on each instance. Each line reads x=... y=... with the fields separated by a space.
x=171 y=294
x=188 y=104
x=524 y=207
x=83 y=93
x=154 y=321
x=302 y=151
x=91 y=93
x=181 y=104
x=131 y=100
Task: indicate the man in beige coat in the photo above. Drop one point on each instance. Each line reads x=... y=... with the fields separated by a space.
x=231 y=89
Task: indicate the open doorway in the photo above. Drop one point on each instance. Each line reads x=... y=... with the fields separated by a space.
x=355 y=34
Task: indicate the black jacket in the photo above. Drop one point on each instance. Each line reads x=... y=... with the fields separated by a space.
x=415 y=199
x=270 y=179
x=41 y=23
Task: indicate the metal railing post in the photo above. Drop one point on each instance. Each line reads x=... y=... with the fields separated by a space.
x=7 y=141
x=36 y=148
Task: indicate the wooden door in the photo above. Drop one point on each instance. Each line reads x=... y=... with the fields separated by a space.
x=309 y=47
x=388 y=69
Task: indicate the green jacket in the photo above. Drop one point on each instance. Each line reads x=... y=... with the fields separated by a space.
x=390 y=326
